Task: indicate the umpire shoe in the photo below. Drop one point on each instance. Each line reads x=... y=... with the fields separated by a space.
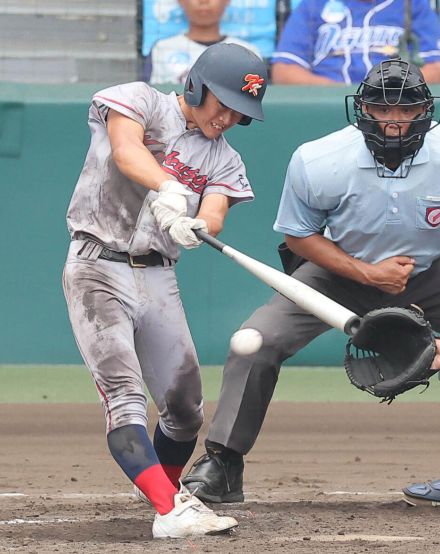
x=423 y=494
x=190 y=517
x=216 y=479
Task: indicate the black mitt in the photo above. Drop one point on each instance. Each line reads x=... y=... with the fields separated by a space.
x=391 y=352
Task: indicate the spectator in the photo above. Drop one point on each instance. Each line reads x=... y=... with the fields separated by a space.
x=338 y=41
x=172 y=58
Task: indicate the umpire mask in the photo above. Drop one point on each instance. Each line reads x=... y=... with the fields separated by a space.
x=388 y=84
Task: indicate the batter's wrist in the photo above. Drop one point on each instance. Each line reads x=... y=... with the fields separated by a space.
x=170 y=185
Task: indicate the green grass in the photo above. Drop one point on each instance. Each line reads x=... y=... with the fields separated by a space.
x=72 y=383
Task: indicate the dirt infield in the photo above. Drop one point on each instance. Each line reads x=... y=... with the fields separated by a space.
x=322 y=478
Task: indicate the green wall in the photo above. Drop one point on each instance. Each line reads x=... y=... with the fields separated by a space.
x=43 y=141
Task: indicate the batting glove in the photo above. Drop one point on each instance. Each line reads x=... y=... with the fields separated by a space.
x=181 y=231
x=170 y=203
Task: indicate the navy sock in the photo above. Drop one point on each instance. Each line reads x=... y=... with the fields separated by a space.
x=132 y=449
x=172 y=454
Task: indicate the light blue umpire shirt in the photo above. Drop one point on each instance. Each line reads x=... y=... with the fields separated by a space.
x=332 y=181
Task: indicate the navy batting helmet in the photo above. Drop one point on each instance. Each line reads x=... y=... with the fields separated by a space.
x=393 y=82
x=236 y=76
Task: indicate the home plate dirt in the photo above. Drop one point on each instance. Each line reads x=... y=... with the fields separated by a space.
x=321 y=478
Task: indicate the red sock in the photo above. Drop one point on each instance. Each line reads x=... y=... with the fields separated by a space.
x=157 y=487
x=174 y=473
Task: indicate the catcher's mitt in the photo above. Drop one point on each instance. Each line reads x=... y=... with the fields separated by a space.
x=391 y=352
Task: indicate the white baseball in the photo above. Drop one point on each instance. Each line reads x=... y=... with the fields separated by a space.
x=246 y=342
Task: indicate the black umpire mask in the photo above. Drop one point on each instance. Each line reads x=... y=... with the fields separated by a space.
x=392 y=83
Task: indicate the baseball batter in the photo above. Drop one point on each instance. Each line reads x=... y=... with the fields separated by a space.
x=374 y=186
x=158 y=167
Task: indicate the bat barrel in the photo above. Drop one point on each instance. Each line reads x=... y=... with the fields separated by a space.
x=304 y=296
x=307 y=298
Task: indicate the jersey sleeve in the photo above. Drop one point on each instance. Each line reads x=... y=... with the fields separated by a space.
x=134 y=100
x=426 y=27
x=296 y=43
x=229 y=177
x=298 y=214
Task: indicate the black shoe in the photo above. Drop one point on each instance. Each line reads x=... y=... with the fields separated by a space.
x=212 y=479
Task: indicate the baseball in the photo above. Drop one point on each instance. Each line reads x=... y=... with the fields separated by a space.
x=246 y=342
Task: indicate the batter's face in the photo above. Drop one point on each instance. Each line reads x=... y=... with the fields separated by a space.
x=213 y=118
x=394 y=121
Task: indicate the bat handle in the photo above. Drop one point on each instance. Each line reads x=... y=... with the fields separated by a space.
x=202 y=235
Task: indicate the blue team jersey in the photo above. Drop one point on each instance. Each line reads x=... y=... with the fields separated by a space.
x=342 y=40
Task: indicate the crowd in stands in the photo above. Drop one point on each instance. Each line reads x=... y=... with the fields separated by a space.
x=172 y=57
x=317 y=42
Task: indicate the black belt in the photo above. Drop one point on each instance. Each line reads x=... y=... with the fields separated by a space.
x=146 y=260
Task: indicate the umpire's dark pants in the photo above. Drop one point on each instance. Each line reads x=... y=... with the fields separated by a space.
x=249 y=382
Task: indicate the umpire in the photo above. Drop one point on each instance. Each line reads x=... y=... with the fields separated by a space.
x=374 y=187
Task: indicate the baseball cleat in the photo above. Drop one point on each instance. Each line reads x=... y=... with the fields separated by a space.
x=190 y=517
x=215 y=480
x=423 y=494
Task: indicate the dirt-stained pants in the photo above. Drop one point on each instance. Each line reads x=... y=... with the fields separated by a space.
x=131 y=328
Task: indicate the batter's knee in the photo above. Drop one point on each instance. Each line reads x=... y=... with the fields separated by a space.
x=181 y=407
x=182 y=417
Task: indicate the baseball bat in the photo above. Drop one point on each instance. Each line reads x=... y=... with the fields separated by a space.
x=305 y=297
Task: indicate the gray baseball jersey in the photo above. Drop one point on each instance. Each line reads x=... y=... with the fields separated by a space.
x=129 y=323
x=116 y=210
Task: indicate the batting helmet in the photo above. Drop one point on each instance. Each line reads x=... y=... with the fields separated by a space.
x=236 y=77
x=392 y=82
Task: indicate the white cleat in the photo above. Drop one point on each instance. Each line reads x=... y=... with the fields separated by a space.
x=190 y=517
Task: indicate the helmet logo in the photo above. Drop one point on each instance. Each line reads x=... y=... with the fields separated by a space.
x=433 y=216
x=254 y=82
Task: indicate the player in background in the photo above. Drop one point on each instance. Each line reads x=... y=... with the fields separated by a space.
x=172 y=58
x=374 y=187
x=327 y=42
x=157 y=167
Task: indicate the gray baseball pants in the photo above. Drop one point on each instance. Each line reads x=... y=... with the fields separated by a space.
x=131 y=329
x=249 y=382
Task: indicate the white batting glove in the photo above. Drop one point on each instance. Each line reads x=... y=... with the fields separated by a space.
x=170 y=203
x=181 y=231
